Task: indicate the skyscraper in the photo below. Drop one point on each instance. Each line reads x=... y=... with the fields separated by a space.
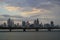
x=36 y=23
x=4 y=25
x=10 y=23
x=52 y=24
x=23 y=23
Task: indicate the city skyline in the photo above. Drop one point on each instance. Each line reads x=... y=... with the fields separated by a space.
x=36 y=23
x=18 y=10
x=26 y=25
x=29 y=19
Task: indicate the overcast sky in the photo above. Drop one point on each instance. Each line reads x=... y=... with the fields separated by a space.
x=45 y=10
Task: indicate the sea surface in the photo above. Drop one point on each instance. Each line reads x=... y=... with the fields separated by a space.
x=42 y=35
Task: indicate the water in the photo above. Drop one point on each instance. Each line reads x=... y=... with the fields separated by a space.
x=29 y=35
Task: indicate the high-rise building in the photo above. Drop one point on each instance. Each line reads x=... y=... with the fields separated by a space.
x=23 y=23
x=36 y=23
x=18 y=25
x=52 y=24
x=41 y=25
x=4 y=25
x=47 y=25
x=27 y=24
x=10 y=23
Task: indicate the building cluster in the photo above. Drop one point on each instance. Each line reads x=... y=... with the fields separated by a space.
x=10 y=23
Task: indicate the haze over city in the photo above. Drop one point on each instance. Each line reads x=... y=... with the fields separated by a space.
x=18 y=10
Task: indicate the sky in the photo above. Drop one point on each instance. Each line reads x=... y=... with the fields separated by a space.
x=19 y=10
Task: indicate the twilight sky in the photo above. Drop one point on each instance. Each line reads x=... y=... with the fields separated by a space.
x=45 y=10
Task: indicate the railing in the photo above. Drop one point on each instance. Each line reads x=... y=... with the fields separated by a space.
x=24 y=28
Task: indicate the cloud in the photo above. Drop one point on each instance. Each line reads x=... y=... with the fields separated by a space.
x=48 y=4
x=1 y=0
x=34 y=11
x=6 y=17
x=10 y=16
x=12 y=8
x=57 y=2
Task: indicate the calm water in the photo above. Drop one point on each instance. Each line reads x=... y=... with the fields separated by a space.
x=29 y=35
